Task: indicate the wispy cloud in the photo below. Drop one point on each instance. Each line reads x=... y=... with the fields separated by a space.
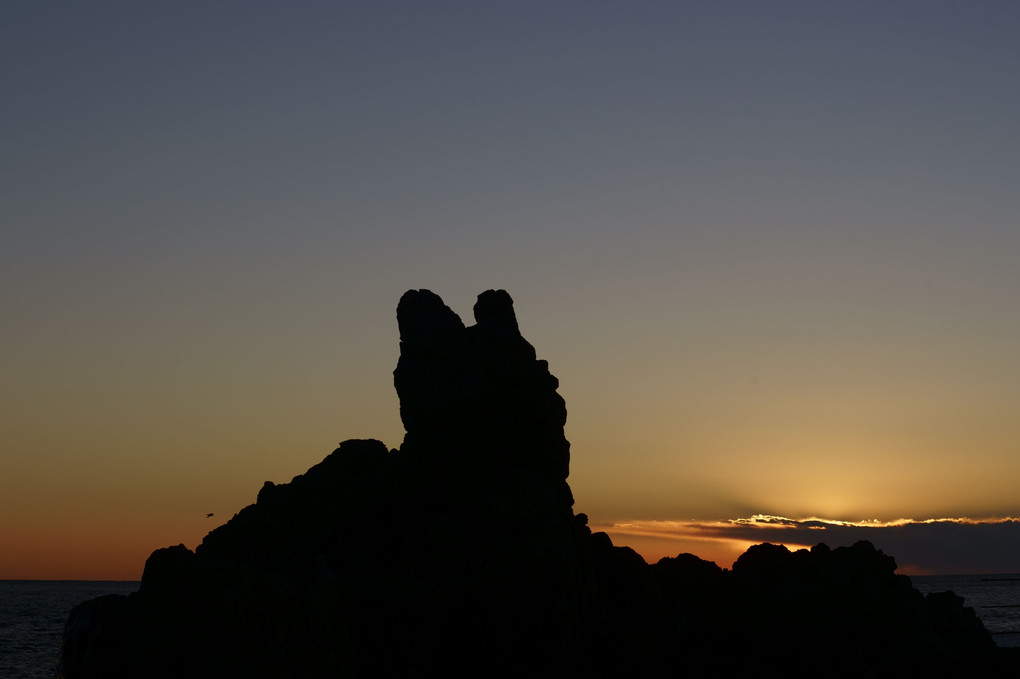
x=936 y=545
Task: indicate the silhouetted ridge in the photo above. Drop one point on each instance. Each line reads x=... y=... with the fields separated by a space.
x=459 y=555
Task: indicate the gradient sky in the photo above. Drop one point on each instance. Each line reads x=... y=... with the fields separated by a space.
x=770 y=249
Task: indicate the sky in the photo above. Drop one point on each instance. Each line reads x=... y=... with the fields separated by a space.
x=770 y=250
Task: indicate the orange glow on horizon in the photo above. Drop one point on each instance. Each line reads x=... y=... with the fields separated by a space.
x=654 y=540
x=92 y=551
x=723 y=541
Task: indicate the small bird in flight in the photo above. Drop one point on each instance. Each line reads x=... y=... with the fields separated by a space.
x=208 y=515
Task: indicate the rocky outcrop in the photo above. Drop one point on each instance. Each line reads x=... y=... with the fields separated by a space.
x=459 y=554
x=479 y=407
x=840 y=612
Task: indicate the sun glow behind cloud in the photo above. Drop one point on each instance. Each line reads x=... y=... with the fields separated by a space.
x=935 y=545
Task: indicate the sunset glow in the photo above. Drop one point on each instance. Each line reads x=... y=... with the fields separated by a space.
x=768 y=249
x=992 y=542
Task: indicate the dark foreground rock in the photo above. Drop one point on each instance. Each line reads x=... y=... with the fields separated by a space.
x=459 y=554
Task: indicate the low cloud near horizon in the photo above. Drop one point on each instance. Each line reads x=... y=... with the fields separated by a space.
x=928 y=546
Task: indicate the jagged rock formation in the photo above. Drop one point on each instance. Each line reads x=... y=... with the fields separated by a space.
x=460 y=555
x=825 y=612
x=480 y=408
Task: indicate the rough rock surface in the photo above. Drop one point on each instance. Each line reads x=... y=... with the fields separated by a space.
x=460 y=555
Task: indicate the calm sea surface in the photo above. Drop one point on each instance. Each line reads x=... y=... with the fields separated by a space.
x=33 y=613
x=32 y=617
x=995 y=599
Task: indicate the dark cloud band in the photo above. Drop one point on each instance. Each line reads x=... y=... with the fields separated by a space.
x=947 y=545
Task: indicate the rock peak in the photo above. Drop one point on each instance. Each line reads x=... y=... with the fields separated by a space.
x=494 y=313
x=475 y=401
x=423 y=318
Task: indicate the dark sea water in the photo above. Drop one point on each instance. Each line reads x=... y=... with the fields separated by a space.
x=33 y=613
x=32 y=617
x=995 y=599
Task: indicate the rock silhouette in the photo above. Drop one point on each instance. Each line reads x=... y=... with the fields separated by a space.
x=459 y=554
x=479 y=407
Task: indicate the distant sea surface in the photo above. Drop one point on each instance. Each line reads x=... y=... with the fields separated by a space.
x=995 y=599
x=33 y=613
x=32 y=617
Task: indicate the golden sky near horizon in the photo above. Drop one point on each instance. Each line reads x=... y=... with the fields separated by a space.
x=770 y=252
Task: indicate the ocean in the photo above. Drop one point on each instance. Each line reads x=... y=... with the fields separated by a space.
x=33 y=613
x=995 y=599
x=32 y=617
